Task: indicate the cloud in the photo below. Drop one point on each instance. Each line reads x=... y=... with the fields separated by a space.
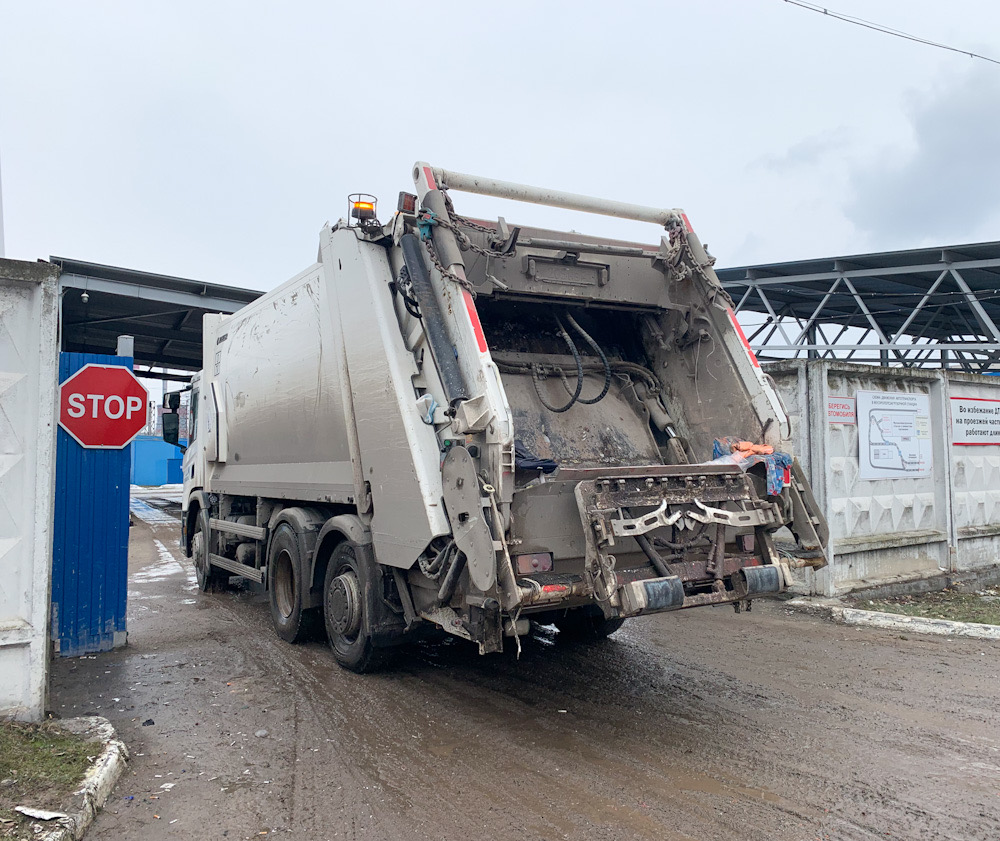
x=807 y=152
x=949 y=187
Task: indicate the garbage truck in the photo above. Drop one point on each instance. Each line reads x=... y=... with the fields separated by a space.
x=470 y=425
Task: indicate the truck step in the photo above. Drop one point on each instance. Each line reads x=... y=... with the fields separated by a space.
x=243 y=530
x=236 y=568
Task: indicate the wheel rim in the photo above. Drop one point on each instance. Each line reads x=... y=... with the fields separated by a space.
x=344 y=601
x=198 y=553
x=283 y=583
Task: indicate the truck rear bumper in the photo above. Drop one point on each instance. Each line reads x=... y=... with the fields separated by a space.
x=656 y=595
x=639 y=596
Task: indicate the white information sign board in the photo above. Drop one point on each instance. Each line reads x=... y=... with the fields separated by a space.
x=894 y=435
x=974 y=421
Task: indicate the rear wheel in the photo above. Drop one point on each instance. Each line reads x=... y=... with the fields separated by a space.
x=291 y=621
x=209 y=578
x=347 y=607
x=587 y=624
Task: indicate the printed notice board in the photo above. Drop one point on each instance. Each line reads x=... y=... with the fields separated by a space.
x=894 y=435
x=975 y=421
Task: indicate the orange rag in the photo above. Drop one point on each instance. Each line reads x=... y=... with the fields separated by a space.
x=748 y=448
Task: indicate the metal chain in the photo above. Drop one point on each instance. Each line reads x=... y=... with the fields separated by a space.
x=464 y=242
x=432 y=253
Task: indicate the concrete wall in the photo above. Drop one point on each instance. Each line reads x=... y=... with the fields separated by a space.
x=28 y=358
x=890 y=529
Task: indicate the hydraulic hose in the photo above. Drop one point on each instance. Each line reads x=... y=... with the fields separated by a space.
x=447 y=589
x=535 y=374
x=506 y=366
x=604 y=361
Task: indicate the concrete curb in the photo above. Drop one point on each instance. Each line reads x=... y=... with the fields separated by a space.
x=896 y=621
x=97 y=782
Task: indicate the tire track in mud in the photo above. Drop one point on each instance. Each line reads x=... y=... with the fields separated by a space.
x=559 y=781
x=487 y=734
x=701 y=725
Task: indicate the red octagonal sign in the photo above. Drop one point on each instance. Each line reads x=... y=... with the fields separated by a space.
x=103 y=406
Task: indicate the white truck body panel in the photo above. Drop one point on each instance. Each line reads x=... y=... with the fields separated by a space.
x=274 y=384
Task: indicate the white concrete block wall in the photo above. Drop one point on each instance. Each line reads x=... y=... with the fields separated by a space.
x=975 y=481
x=888 y=530
x=28 y=385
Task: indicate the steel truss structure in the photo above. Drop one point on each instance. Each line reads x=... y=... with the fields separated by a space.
x=923 y=308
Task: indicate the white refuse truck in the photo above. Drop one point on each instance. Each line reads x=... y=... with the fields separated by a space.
x=470 y=425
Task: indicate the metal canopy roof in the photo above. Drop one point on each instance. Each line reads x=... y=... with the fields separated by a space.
x=925 y=306
x=922 y=307
x=163 y=313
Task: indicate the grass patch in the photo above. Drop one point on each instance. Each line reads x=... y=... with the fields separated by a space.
x=956 y=604
x=40 y=766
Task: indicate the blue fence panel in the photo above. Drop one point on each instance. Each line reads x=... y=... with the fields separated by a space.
x=90 y=546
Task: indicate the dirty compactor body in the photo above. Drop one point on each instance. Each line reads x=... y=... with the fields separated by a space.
x=472 y=425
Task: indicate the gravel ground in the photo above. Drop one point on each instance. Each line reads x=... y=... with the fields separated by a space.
x=701 y=725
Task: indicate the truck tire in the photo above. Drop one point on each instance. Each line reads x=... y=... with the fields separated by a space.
x=291 y=621
x=587 y=624
x=209 y=578
x=348 y=608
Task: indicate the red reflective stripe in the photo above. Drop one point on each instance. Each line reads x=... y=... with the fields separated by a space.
x=743 y=338
x=687 y=223
x=477 y=327
x=554 y=588
x=431 y=183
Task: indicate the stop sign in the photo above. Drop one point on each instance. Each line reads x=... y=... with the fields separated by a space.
x=102 y=406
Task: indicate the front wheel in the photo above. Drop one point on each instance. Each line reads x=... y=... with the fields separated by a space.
x=209 y=578
x=347 y=607
x=587 y=624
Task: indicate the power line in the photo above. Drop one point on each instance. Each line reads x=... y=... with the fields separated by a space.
x=886 y=30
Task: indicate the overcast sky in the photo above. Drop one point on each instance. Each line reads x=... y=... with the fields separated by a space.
x=213 y=139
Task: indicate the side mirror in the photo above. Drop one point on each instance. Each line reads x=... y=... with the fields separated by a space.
x=172 y=401
x=172 y=428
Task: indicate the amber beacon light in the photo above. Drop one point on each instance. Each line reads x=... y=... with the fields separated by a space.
x=362 y=207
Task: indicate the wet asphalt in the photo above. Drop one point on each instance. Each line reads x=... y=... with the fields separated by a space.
x=697 y=725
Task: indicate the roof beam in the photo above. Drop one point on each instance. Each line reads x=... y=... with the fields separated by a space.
x=124 y=289
x=143 y=331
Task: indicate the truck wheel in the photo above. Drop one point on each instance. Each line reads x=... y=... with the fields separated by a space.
x=347 y=607
x=284 y=579
x=586 y=624
x=209 y=578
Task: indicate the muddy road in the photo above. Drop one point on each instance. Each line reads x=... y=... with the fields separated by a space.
x=702 y=725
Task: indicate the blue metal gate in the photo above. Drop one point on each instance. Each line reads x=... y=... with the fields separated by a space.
x=90 y=546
